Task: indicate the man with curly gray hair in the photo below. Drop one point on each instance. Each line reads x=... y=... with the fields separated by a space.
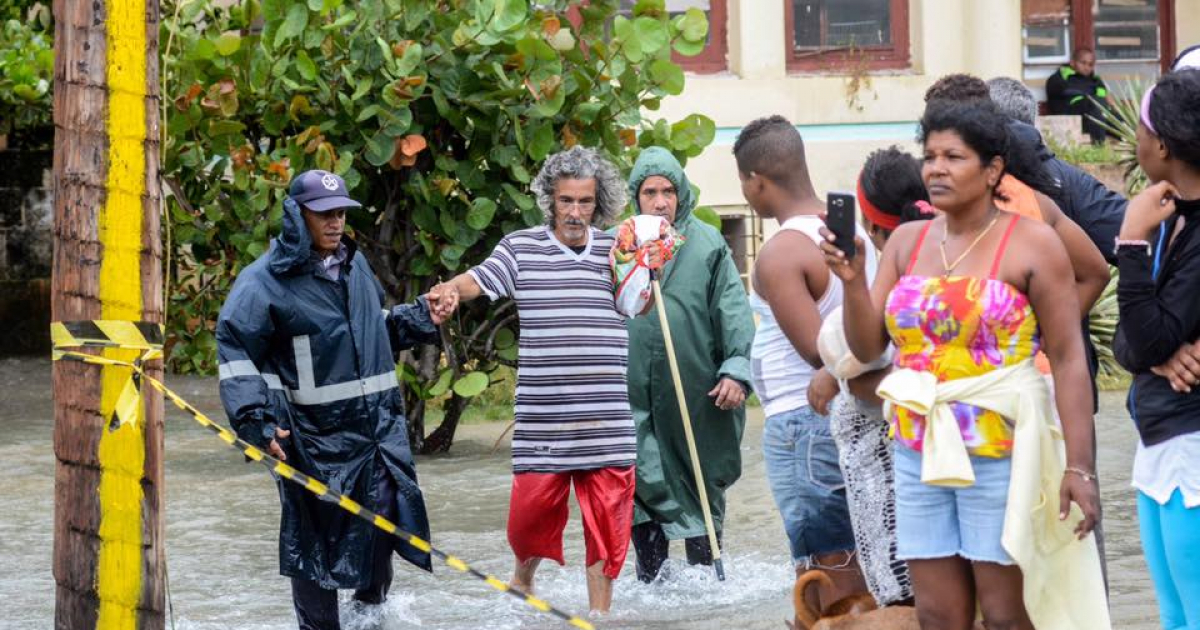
x=573 y=422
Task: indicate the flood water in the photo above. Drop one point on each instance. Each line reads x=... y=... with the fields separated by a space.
x=222 y=519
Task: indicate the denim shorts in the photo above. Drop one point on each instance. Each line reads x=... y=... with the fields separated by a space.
x=806 y=481
x=938 y=522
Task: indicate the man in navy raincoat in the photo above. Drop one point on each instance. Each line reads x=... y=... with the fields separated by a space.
x=308 y=372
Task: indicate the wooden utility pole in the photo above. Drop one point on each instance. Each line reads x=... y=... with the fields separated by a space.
x=108 y=538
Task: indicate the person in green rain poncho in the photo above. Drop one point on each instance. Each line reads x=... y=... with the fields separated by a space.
x=712 y=329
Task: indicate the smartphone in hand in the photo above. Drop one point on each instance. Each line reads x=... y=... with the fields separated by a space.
x=839 y=218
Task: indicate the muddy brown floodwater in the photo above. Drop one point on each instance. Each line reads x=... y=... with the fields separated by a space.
x=223 y=514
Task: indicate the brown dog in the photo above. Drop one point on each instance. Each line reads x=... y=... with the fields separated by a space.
x=854 y=612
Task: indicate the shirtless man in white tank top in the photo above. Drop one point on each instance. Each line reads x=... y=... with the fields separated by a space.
x=792 y=292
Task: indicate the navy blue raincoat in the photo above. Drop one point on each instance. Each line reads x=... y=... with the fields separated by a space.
x=316 y=356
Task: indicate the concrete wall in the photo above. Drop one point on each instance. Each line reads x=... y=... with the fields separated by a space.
x=982 y=37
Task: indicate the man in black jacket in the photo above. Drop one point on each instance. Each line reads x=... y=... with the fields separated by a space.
x=308 y=373
x=1075 y=90
x=1084 y=199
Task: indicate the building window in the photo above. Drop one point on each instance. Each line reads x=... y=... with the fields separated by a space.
x=712 y=58
x=1047 y=31
x=1130 y=37
x=742 y=230
x=841 y=34
x=1126 y=31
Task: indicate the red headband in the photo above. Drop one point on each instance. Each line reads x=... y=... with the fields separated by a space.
x=875 y=215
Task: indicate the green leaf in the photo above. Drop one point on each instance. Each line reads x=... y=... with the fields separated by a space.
x=626 y=38
x=505 y=338
x=522 y=200
x=367 y=112
x=481 y=213
x=293 y=25
x=442 y=385
x=667 y=75
x=224 y=127
x=380 y=148
x=451 y=256
x=228 y=43
x=688 y=49
x=413 y=55
x=471 y=385
x=548 y=107
x=650 y=7
x=694 y=25
x=362 y=88
x=541 y=142
x=709 y=216
x=532 y=216
x=202 y=49
x=651 y=34
x=508 y=354
x=421 y=267
x=449 y=225
x=406 y=373
x=346 y=19
x=536 y=48
x=305 y=65
x=260 y=70
x=694 y=131
x=509 y=15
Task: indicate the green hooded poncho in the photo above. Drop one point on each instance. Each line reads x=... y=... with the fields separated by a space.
x=712 y=329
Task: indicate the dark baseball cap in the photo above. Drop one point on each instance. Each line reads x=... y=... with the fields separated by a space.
x=321 y=191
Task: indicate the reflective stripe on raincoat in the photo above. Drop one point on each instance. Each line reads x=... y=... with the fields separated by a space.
x=316 y=357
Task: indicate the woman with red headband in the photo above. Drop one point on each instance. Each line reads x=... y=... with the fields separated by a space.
x=890 y=192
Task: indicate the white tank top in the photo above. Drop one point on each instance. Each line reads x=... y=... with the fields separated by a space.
x=781 y=376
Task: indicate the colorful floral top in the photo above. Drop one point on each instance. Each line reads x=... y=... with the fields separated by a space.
x=958 y=327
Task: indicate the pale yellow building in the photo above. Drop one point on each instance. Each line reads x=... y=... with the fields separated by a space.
x=851 y=74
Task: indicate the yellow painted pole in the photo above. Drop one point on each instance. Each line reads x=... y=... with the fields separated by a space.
x=122 y=452
x=108 y=556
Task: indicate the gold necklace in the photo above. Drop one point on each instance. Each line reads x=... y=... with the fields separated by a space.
x=948 y=267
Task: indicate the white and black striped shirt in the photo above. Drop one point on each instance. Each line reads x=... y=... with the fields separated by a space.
x=572 y=403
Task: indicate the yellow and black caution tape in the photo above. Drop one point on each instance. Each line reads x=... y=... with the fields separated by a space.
x=148 y=338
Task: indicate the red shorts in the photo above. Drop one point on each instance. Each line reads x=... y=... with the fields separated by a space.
x=537 y=514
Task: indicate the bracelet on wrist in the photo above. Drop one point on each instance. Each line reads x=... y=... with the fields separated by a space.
x=1087 y=476
x=1134 y=244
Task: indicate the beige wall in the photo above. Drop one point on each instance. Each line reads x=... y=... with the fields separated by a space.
x=1187 y=23
x=982 y=37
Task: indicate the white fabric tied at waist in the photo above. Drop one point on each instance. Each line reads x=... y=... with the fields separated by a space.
x=944 y=457
x=1062 y=584
x=312 y=395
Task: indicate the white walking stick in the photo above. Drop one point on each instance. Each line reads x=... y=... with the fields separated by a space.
x=687 y=428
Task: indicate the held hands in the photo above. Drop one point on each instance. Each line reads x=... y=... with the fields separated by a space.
x=1085 y=492
x=729 y=394
x=846 y=269
x=443 y=300
x=1147 y=210
x=1182 y=369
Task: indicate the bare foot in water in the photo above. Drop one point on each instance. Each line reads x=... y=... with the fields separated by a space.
x=522 y=579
